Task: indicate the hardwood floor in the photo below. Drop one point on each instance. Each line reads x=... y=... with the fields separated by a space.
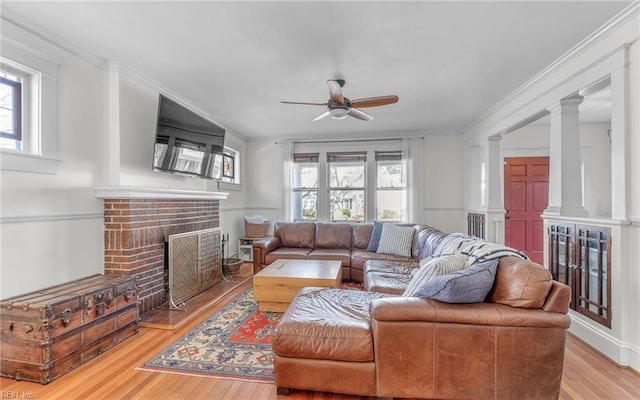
x=113 y=375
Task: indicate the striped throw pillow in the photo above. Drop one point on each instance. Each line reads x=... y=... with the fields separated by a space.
x=436 y=266
x=395 y=239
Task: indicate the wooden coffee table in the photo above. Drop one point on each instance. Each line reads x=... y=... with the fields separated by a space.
x=275 y=286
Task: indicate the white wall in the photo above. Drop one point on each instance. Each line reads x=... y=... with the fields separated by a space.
x=443 y=182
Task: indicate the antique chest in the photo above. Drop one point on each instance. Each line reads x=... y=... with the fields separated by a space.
x=49 y=332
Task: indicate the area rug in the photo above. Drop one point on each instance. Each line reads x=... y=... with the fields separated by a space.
x=232 y=343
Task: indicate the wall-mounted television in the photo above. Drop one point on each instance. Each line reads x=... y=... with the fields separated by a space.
x=186 y=143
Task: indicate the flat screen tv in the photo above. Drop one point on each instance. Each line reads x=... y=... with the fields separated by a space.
x=186 y=143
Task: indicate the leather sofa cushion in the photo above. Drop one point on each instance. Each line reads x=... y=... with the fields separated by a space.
x=333 y=236
x=391 y=267
x=295 y=234
x=343 y=255
x=382 y=282
x=287 y=253
x=520 y=283
x=360 y=257
x=327 y=324
x=361 y=235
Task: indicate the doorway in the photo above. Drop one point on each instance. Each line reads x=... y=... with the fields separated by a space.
x=526 y=195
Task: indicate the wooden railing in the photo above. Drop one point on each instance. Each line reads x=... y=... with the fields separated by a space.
x=580 y=256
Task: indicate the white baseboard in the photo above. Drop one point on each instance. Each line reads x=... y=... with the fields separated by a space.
x=623 y=354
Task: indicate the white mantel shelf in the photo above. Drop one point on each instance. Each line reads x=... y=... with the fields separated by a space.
x=131 y=192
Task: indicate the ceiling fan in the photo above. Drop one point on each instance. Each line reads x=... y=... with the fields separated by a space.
x=338 y=106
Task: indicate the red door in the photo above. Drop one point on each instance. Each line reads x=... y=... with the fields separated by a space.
x=526 y=195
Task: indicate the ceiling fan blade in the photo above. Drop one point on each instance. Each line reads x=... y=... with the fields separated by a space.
x=303 y=103
x=335 y=90
x=323 y=115
x=355 y=113
x=374 y=101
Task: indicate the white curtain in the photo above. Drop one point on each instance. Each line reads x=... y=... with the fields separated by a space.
x=412 y=153
x=286 y=149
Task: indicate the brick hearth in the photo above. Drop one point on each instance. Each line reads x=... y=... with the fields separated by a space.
x=135 y=235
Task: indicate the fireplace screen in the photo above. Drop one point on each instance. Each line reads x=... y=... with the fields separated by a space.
x=195 y=264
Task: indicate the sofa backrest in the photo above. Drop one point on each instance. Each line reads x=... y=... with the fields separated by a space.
x=525 y=284
x=361 y=235
x=425 y=241
x=295 y=234
x=333 y=235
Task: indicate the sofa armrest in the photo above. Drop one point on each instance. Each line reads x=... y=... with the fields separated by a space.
x=261 y=248
x=425 y=348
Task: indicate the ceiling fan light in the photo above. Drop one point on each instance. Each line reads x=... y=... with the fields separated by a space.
x=338 y=112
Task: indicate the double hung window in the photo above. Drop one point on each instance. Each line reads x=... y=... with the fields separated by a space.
x=391 y=190
x=347 y=183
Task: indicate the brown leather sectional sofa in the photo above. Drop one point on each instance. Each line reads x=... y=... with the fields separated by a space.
x=378 y=342
x=336 y=241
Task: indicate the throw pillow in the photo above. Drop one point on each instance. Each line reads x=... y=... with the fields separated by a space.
x=396 y=239
x=471 y=285
x=375 y=237
x=432 y=267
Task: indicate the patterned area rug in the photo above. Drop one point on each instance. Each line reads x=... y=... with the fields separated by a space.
x=232 y=343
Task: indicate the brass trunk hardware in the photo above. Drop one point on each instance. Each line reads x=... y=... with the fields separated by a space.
x=66 y=317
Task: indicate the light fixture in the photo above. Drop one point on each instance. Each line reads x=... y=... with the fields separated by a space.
x=338 y=112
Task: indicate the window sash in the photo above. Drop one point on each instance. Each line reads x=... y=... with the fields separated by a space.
x=337 y=161
x=16 y=109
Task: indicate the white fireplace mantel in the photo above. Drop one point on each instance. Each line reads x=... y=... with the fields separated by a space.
x=134 y=192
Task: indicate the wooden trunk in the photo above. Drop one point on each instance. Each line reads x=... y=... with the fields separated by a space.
x=47 y=333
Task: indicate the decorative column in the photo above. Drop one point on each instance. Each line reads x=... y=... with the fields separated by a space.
x=493 y=203
x=565 y=176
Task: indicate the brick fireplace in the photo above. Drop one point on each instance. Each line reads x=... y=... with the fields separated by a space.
x=137 y=224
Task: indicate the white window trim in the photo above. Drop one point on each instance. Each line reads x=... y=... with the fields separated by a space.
x=236 y=185
x=22 y=48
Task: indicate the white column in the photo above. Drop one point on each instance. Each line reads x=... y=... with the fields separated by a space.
x=493 y=199
x=565 y=176
x=620 y=155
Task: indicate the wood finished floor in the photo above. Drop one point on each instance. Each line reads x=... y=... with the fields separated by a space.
x=113 y=375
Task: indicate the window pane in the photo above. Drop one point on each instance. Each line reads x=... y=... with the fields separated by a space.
x=389 y=205
x=10 y=107
x=304 y=205
x=189 y=160
x=389 y=174
x=305 y=175
x=160 y=151
x=346 y=205
x=346 y=175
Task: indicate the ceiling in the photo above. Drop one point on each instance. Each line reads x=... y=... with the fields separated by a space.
x=447 y=61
